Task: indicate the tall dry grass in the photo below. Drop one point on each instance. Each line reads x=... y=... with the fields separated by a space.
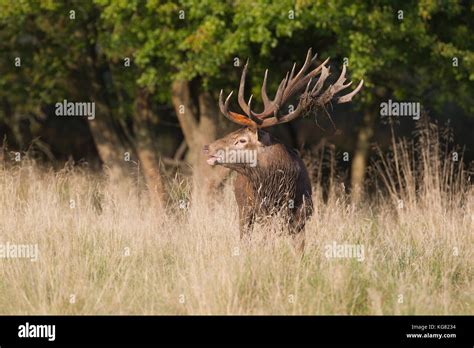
x=110 y=252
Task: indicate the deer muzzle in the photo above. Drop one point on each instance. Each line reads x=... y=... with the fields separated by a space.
x=211 y=159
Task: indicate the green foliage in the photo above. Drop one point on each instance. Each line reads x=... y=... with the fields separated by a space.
x=52 y=51
x=407 y=58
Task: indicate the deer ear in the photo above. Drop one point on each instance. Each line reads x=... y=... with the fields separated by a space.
x=263 y=137
x=253 y=132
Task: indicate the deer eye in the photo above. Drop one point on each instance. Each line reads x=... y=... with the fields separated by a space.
x=242 y=140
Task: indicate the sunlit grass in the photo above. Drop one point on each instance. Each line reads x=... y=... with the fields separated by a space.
x=104 y=249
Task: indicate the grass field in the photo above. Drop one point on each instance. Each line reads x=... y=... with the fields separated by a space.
x=103 y=249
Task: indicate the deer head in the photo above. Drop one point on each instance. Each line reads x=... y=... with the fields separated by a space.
x=238 y=149
x=252 y=137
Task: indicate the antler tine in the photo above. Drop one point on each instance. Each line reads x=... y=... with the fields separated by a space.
x=305 y=66
x=277 y=102
x=246 y=106
x=309 y=59
x=297 y=85
x=221 y=103
x=292 y=71
x=241 y=97
x=266 y=101
x=225 y=106
x=318 y=85
x=342 y=78
x=307 y=86
x=249 y=103
x=272 y=107
x=233 y=116
x=348 y=97
x=335 y=88
x=302 y=104
x=250 y=114
x=286 y=118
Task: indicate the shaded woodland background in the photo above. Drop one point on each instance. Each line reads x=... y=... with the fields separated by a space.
x=155 y=68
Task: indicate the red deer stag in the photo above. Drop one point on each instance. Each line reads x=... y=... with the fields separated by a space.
x=270 y=176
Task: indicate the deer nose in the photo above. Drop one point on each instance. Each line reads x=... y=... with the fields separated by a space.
x=205 y=148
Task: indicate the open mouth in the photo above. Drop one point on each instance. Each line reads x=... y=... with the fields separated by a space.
x=213 y=160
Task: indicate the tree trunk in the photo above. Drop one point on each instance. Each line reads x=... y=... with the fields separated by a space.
x=110 y=146
x=185 y=112
x=210 y=177
x=197 y=134
x=145 y=149
x=111 y=150
x=359 y=162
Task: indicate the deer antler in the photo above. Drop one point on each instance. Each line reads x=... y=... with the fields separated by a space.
x=288 y=87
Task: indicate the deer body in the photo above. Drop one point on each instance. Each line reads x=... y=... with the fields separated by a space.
x=277 y=181
x=278 y=184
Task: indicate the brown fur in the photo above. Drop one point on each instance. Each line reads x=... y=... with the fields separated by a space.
x=279 y=183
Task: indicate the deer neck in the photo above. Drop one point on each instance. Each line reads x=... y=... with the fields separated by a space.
x=274 y=182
